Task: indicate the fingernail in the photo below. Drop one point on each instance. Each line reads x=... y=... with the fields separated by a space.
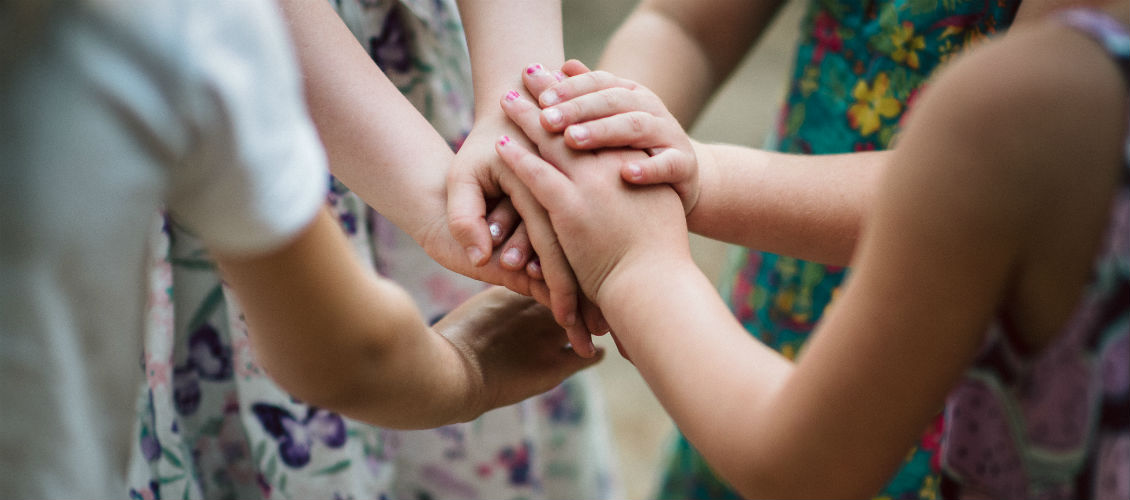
x=579 y=133
x=475 y=255
x=559 y=75
x=635 y=171
x=548 y=98
x=504 y=140
x=534 y=266
x=513 y=95
x=495 y=231
x=534 y=69
x=512 y=257
x=552 y=115
x=570 y=319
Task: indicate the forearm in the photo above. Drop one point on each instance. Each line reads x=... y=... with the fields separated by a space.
x=683 y=51
x=811 y=207
x=504 y=37
x=344 y=339
x=714 y=380
x=377 y=143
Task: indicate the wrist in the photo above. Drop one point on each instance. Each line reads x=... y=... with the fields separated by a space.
x=622 y=286
x=708 y=180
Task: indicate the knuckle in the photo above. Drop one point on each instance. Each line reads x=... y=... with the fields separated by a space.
x=635 y=122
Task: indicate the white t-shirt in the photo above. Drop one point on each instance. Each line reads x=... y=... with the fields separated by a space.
x=119 y=108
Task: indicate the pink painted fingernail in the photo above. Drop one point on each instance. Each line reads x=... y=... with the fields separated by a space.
x=534 y=69
x=579 y=133
x=504 y=140
x=559 y=75
x=552 y=115
x=513 y=95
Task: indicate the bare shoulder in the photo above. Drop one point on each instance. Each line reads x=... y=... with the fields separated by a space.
x=1043 y=103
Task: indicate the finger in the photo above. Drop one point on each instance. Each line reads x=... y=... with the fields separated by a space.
x=574 y=67
x=538 y=78
x=466 y=208
x=563 y=288
x=549 y=187
x=501 y=221
x=581 y=84
x=633 y=129
x=517 y=250
x=594 y=318
x=540 y=292
x=581 y=340
x=525 y=114
x=668 y=166
x=600 y=104
x=533 y=269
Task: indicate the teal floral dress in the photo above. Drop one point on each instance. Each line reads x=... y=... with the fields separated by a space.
x=212 y=424
x=859 y=67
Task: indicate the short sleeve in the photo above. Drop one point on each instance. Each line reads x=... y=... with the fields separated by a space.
x=255 y=173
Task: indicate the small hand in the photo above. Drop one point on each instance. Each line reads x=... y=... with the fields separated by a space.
x=596 y=109
x=602 y=224
x=475 y=179
x=473 y=188
x=512 y=347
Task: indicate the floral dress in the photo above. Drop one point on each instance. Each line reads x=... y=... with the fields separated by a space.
x=859 y=66
x=211 y=424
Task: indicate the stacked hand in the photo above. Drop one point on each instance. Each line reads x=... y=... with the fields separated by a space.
x=578 y=216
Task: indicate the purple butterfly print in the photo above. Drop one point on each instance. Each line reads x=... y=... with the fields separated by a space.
x=390 y=50
x=209 y=359
x=296 y=438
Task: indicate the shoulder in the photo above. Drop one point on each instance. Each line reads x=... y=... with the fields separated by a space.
x=1029 y=111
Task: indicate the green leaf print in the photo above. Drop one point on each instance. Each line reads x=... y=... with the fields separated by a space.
x=172 y=458
x=335 y=468
x=271 y=467
x=208 y=306
x=918 y=7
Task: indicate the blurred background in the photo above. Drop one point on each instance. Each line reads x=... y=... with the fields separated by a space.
x=741 y=113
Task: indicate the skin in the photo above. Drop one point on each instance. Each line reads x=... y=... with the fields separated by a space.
x=336 y=336
x=401 y=169
x=986 y=203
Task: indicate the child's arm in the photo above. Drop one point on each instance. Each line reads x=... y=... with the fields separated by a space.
x=684 y=50
x=386 y=152
x=805 y=206
x=503 y=37
x=944 y=239
x=339 y=337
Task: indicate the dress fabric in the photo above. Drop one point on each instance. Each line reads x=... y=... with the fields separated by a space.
x=1055 y=423
x=211 y=424
x=859 y=66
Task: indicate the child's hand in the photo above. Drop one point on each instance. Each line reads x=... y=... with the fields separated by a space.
x=512 y=348
x=599 y=110
x=604 y=226
x=476 y=177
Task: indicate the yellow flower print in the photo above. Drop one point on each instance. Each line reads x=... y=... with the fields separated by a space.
x=906 y=44
x=871 y=103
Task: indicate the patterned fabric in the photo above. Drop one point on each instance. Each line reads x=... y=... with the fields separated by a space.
x=1055 y=424
x=212 y=425
x=858 y=69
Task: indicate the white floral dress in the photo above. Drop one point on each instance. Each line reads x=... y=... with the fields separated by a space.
x=212 y=425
